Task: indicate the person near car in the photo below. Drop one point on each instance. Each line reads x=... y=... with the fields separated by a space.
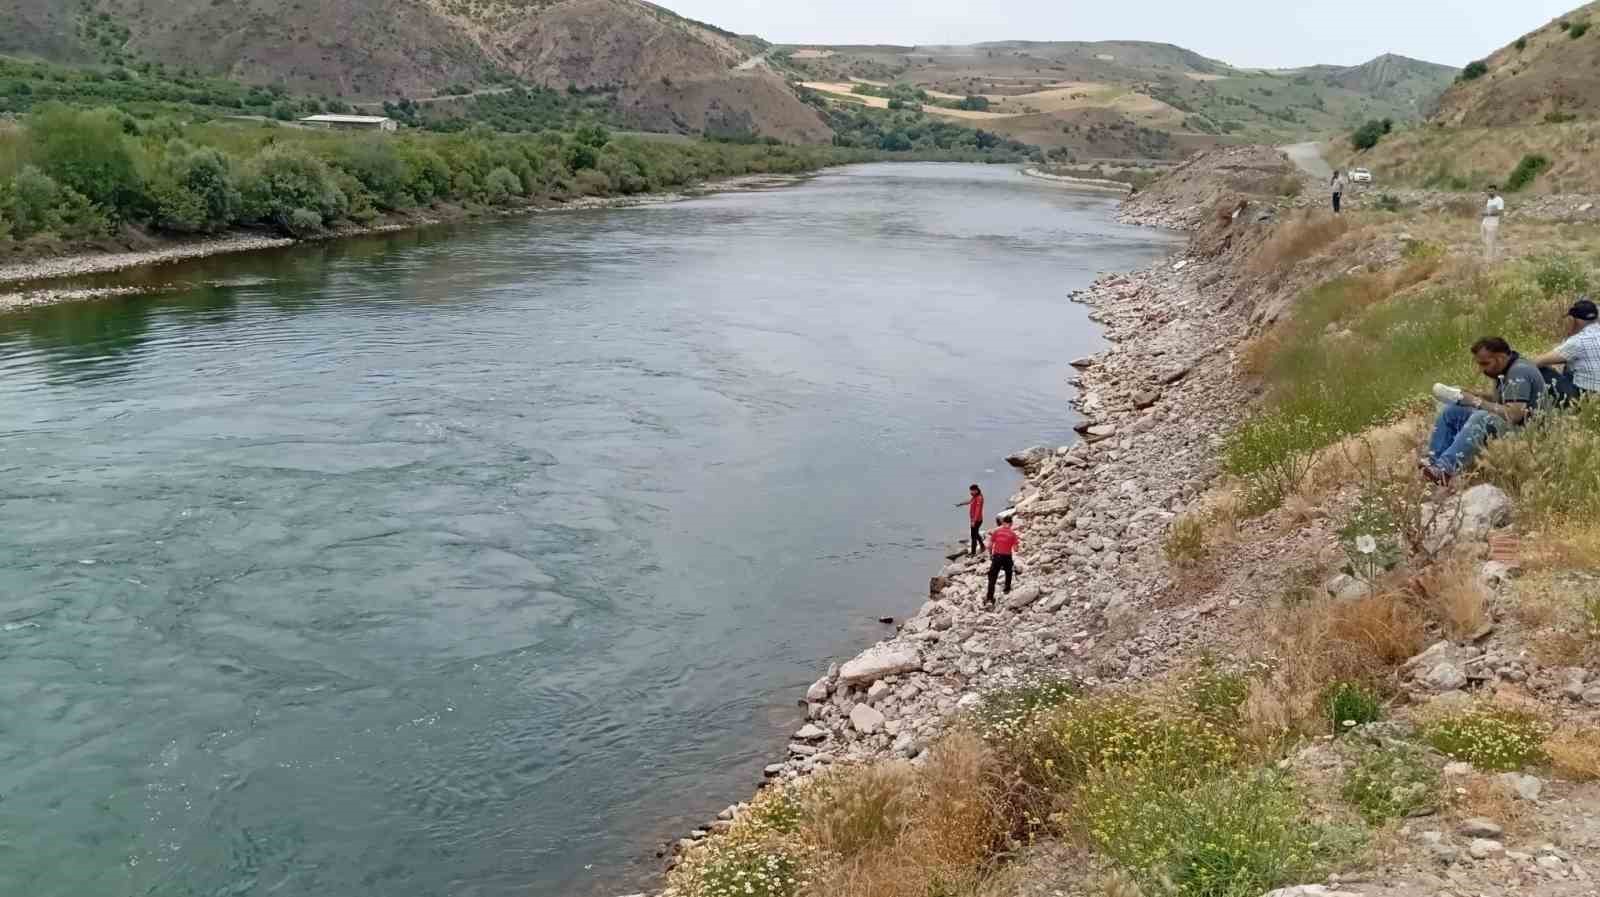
x=1493 y=210
x=1002 y=547
x=1338 y=190
x=1466 y=426
x=1578 y=356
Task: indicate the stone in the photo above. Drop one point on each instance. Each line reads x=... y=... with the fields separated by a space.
x=1457 y=770
x=811 y=732
x=1099 y=432
x=1550 y=862
x=1592 y=696
x=802 y=750
x=1573 y=686
x=878 y=662
x=1174 y=374
x=1469 y=518
x=878 y=690
x=1309 y=891
x=1146 y=399
x=1496 y=574
x=1055 y=602
x=1084 y=363
x=866 y=719
x=1030 y=458
x=1347 y=588
x=969 y=701
x=773 y=770
x=1485 y=848
x=1023 y=597
x=1480 y=827
x=819 y=691
x=1524 y=786
x=1445 y=676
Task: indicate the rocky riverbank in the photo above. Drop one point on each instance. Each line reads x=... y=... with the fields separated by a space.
x=1089 y=603
x=29 y=281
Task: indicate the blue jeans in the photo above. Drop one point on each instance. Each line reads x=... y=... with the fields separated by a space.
x=1458 y=435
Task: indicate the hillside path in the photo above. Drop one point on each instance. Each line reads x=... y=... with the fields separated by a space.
x=1308 y=158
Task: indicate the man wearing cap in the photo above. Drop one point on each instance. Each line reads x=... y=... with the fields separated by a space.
x=1578 y=356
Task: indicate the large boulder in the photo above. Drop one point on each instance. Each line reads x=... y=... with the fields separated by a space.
x=865 y=719
x=1031 y=458
x=1023 y=597
x=878 y=662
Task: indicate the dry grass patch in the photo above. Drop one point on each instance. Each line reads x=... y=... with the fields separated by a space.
x=1452 y=592
x=1574 y=753
x=1485 y=796
x=1301 y=236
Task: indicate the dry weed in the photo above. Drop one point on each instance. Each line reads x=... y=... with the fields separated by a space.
x=1571 y=544
x=1300 y=237
x=855 y=809
x=1451 y=590
x=1575 y=753
x=1382 y=627
x=1486 y=796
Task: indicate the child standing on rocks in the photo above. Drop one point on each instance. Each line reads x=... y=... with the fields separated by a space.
x=1002 y=545
x=975 y=517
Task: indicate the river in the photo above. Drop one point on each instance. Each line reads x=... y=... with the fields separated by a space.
x=475 y=561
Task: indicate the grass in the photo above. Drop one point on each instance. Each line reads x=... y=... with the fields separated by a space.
x=1386 y=348
x=1553 y=468
x=1454 y=595
x=1300 y=237
x=1469 y=159
x=1391 y=783
x=1351 y=703
x=1185 y=545
x=1492 y=738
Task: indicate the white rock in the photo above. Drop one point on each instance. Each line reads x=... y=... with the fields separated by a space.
x=1055 y=602
x=819 y=691
x=811 y=732
x=1309 y=891
x=1524 y=786
x=1457 y=769
x=1496 y=574
x=1479 y=827
x=969 y=700
x=866 y=719
x=1023 y=597
x=1469 y=518
x=1484 y=848
x=878 y=690
x=1444 y=677
x=1347 y=588
x=879 y=661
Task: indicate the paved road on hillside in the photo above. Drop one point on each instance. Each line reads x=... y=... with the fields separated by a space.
x=1308 y=156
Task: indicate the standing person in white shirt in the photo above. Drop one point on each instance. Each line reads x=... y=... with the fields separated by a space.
x=1579 y=355
x=1338 y=190
x=1493 y=211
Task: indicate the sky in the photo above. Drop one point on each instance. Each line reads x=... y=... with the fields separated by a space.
x=1248 y=33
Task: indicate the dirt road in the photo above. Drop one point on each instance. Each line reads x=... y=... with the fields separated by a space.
x=1308 y=158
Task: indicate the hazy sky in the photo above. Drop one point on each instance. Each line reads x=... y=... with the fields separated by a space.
x=1279 y=33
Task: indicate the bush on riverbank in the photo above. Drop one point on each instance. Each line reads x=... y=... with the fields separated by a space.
x=80 y=173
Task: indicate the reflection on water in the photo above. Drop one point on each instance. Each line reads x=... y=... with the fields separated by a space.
x=458 y=562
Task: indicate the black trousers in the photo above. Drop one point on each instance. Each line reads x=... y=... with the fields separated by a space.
x=977 y=539
x=998 y=563
x=1336 y=198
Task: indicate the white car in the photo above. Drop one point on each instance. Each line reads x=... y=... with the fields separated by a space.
x=1360 y=176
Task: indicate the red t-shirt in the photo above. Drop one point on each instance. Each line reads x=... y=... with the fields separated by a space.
x=1003 y=540
x=975 y=513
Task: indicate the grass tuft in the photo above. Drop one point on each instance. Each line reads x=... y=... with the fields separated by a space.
x=1391 y=783
x=1493 y=739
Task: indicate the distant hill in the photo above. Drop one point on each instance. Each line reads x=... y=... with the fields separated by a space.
x=1078 y=94
x=671 y=72
x=1549 y=75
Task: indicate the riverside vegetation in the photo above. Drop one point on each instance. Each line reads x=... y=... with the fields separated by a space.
x=83 y=176
x=1330 y=741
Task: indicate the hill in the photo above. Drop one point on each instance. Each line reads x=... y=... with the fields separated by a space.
x=1128 y=97
x=1550 y=75
x=669 y=71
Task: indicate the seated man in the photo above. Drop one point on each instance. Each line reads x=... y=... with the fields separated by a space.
x=1579 y=356
x=1464 y=427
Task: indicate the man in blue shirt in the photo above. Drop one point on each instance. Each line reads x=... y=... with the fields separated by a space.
x=1464 y=427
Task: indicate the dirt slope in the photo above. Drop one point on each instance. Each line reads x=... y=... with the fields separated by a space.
x=1552 y=73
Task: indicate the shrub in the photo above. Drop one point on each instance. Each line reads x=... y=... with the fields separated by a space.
x=1522 y=44
x=1005 y=712
x=37 y=204
x=732 y=867
x=1216 y=694
x=196 y=193
x=1351 y=702
x=1186 y=541
x=1527 y=170
x=303 y=223
x=1388 y=202
x=281 y=182
x=1474 y=70
x=87 y=152
x=1558 y=117
x=1562 y=276
x=1553 y=467
x=502 y=185
x=1371 y=536
x=1369 y=134
x=1273 y=453
x=1579 y=29
x=1575 y=753
x=1243 y=833
x=1391 y=783
x=856 y=809
x=1490 y=739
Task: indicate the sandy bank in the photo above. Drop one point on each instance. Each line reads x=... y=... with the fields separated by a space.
x=1093 y=183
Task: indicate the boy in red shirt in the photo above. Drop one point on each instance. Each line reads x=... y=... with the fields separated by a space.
x=1002 y=544
x=975 y=517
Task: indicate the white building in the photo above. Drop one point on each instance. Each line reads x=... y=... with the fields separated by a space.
x=352 y=122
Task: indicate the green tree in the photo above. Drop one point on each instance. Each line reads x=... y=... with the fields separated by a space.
x=281 y=180
x=87 y=152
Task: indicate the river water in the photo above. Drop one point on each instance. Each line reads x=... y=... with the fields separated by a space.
x=474 y=561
